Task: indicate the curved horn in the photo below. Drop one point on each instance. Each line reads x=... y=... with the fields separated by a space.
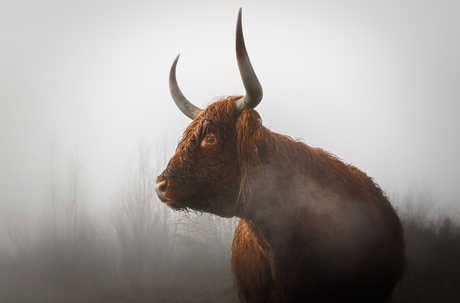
x=184 y=105
x=252 y=85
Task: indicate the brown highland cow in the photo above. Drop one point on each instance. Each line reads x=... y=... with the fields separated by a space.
x=312 y=228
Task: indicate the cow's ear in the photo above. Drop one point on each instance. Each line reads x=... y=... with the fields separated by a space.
x=247 y=129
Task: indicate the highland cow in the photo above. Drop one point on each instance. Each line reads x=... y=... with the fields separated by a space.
x=311 y=227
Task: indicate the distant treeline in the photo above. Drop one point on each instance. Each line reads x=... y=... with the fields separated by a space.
x=432 y=250
x=139 y=250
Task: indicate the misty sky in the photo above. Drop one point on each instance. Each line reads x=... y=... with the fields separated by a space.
x=375 y=83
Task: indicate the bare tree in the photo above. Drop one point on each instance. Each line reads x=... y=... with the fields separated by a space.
x=67 y=234
x=144 y=228
x=21 y=254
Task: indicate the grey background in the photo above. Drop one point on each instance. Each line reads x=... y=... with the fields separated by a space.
x=375 y=83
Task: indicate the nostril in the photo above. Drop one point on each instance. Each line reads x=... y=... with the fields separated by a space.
x=162 y=186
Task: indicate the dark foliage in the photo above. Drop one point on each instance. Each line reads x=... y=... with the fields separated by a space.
x=433 y=259
x=198 y=271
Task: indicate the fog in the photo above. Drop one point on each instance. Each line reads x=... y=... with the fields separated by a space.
x=83 y=85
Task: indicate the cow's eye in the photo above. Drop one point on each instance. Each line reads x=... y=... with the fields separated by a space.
x=210 y=140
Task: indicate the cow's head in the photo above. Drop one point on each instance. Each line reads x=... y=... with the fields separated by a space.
x=211 y=163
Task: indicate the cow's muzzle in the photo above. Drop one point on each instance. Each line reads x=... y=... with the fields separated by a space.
x=160 y=188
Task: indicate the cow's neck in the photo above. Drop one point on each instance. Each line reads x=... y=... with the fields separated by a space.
x=270 y=206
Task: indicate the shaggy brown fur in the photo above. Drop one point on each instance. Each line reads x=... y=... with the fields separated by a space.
x=311 y=229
